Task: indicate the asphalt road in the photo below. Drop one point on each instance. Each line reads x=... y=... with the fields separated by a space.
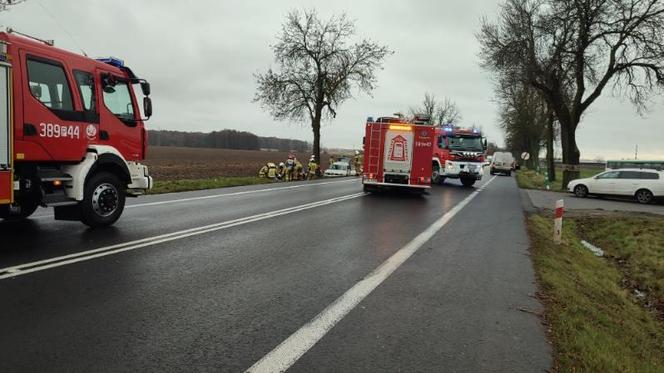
x=306 y=276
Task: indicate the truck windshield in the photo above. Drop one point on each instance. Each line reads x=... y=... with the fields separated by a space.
x=463 y=143
x=118 y=101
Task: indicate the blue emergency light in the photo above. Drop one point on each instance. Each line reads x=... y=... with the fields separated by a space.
x=113 y=61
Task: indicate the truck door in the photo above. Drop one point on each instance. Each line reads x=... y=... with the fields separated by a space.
x=119 y=114
x=51 y=119
x=6 y=156
x=398 y=151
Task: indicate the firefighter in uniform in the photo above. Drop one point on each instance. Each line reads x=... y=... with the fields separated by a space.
x=358 y=164
x=298 y=170
x=313 y=166
x=290 y=167
x=262 y=173
x=272 y=171
x=281 y=171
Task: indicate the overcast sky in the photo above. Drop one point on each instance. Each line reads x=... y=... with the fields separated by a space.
x=200 y=57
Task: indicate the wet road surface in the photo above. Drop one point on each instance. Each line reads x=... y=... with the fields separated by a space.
x=306 y=276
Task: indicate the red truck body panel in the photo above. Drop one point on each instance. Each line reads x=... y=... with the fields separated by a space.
x=42 y=134
x=397 y=153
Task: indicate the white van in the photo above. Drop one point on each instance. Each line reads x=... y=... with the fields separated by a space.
x=502 y=162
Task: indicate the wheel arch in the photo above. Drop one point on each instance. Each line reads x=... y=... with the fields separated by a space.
x=112 y=163
x=101 y=158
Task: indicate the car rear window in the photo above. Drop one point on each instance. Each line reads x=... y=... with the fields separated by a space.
x=649 y=176
x=630 y=175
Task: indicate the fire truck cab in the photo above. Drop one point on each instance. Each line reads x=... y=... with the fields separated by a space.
x=458 y=153
x=71 y=133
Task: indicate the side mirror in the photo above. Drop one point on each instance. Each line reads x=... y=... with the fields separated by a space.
x=36 y=91
x=484 y=143
x=145 y=87
x=147 y=106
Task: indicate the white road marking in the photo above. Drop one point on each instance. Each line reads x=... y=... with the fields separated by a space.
x=290 y=350
x=42 y=216
x=45 y=264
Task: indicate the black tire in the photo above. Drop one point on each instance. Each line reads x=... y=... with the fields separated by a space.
x=435 y=175
x=468 y=182
x=27 y=203
x=28 y=208
x=104 y=200
x=644 y=196
x=581 y=191
x=368 y=188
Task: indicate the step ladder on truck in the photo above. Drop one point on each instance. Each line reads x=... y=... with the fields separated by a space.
x=72 y=132
x=397 y=154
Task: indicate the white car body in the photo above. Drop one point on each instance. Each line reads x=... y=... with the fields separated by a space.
x=339 y=169
x=623 y=182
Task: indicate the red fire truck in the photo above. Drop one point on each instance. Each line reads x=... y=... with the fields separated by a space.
x=458 y=153
x=71 y=132
x=397 y=154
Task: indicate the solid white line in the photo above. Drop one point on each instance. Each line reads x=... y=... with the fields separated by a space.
x=41 y=216
x=290 y=350
x=236 y=193
x=45 y=264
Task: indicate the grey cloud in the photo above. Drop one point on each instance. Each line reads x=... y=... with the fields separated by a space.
x=200 y=57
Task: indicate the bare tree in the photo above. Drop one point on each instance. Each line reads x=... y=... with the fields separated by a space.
x=447 y=112
x=5 y=4
x=524 y=119
x=572 y=50
x=318 y=68
x=441 y=112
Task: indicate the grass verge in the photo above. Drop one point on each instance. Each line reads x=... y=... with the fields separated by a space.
x=596 y=323
x=172 y=186
x=530 y=179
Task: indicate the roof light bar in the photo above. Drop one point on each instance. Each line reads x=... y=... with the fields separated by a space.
x=113 y=61
x=400 y=128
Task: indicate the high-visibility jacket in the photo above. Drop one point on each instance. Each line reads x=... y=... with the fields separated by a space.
x=263 y=172
x=272 y=170
x=312 y=167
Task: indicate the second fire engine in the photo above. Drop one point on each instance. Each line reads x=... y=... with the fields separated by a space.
x=458 y=153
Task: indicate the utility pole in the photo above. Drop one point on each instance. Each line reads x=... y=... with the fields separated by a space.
x=636 y=152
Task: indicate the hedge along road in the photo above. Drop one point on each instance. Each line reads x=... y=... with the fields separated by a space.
x=224 y=299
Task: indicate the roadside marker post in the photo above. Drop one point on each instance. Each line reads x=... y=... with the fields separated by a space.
x=558 y=221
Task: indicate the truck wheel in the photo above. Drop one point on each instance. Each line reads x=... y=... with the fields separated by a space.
x=435 y=175
x=103 y=201
x=27 y=209
x=28 y=205
x=468 y=182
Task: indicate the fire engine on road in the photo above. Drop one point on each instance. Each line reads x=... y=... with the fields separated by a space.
x=397 y=154
x=458 y=153
x=71 y=132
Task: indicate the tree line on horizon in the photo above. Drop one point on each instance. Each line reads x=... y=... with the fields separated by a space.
x=224 y=139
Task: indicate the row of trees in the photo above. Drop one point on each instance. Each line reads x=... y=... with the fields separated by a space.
x=563 y=55
x=226 y=139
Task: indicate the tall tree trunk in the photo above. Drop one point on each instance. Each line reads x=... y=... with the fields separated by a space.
x=550 y=137
x=315 y=126
x=571 y=154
